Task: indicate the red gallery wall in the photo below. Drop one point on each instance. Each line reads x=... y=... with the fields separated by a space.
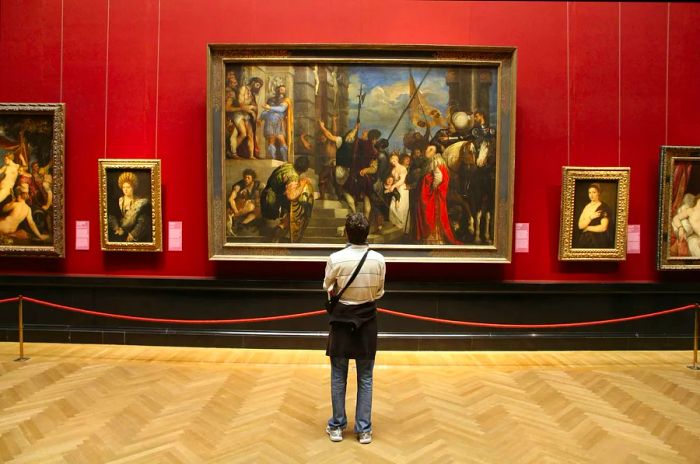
x=598 y=84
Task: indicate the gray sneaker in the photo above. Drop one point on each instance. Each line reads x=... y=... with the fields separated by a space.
x=335 y=433
x=364 y=438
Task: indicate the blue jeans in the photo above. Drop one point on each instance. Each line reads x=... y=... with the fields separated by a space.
x=339 y=381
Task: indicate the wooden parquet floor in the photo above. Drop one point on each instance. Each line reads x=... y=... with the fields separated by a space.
x=128 y=404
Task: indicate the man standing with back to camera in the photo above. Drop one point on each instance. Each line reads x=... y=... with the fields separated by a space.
x=353 y=320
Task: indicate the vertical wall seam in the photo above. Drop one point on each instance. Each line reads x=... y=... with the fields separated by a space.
x=106 y=81
x=668 y=48
x=60 y=79
x=568 y=87
x=619 y=84
x=155 y=150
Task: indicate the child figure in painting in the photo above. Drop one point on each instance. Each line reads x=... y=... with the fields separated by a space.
x=389 y=192
x=387 y=197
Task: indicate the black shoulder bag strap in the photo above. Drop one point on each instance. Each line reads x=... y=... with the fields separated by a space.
x=335 y=298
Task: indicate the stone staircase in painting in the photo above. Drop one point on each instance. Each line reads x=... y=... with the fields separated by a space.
x=328 y=221
x=327 y=224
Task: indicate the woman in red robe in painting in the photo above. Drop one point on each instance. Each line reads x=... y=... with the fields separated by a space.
x=432 y=223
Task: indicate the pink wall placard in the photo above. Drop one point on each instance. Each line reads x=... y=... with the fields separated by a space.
x=522 y=237
x=175 y=236
x=633 y=239
x=82 y=235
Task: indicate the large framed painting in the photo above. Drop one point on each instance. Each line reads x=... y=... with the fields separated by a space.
x=130 y=206
x=419 y=139
x=31 y=179
x=679 y=209
x=594 y=206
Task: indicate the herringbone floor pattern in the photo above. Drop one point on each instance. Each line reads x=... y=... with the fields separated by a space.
x=96 y=403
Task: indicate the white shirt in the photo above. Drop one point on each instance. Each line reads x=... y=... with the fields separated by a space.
x=369 y=283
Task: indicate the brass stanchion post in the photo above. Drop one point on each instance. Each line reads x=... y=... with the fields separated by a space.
x=695 y=339
x=21 y=332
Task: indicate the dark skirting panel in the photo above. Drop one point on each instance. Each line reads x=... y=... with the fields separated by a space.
x=501 y=303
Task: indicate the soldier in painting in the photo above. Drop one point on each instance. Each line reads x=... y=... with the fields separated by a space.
x=278 y=119
x=364 y=166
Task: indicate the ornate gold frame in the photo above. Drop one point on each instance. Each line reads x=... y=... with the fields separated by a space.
x=153 y=168
x=56 y=249
x=669 y=156
x=572 y=174
x=503 y=59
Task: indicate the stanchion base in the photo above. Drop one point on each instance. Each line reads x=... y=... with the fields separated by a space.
x=21 y=359
x=694 y=367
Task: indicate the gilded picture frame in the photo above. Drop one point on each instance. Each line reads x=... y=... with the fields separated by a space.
x=32 y=145
x=298 y=136
x=130 y=205
x=594 y=208
x=678 y=237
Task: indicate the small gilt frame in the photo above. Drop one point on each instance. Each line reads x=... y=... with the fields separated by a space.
x=130 y=205
x=594 y=206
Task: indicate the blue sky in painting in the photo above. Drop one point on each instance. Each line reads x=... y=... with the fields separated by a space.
x=387 y=91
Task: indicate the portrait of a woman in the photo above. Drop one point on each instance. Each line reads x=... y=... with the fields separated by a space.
x=595 y=226
x=130 y=217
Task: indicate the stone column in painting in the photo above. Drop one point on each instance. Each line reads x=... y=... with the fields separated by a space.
x=305 y=85
x=469 y=90
x=320 y=93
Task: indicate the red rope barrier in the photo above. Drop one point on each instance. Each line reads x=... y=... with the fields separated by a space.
x=9 y=300
x=175 y=321
x=382 y=310
x=538 y=326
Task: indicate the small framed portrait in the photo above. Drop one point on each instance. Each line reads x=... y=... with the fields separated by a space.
x=594 y=205
x=130 y=206
x=31 y=179
x=679 y=209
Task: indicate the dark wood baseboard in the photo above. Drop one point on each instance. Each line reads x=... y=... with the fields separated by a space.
x=513 y=303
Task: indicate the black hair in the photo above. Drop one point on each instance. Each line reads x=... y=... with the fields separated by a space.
x=357 y=228
x=374 y=134
x=249 y=172
x=301 y=164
